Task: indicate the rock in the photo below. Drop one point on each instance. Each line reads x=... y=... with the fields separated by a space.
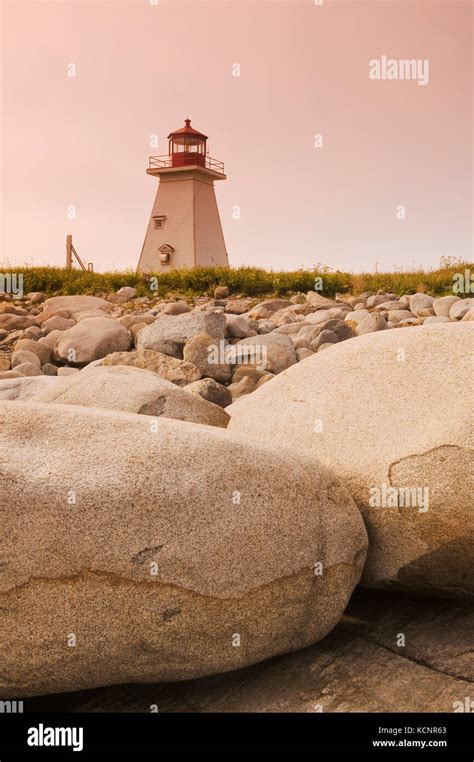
x=377 y=299
x=271 y=352
x=179 y=372
x=264 y=380
x=428 y=551
x=44 y=316
x=221 y=292
x=57 y=323
x=11 y=338
x=129 y=320
x=469 y=315
x=33 y=332
x=323 y=337
x=429 y=312
x=27 y=388
x=127 y=291
x=244 y=386
x=50 y=340
x=23 y=356
x=395 y=316
x=371 y=323
x=341 y=328
x=302 y=353
x=175 y=308
x=42 y=351
x=49 y=369
x=10 y=322
x=35 y=297
x=436 y=319
x=93 y=313
x=291 y=329
x=135 y=330
x=90 y=340
x=239 y=306
x=130 y=389
x=320 y=302
x=208 y=356
x=5 y=362
x=356 y=316
x=442 y=305
x=75 y=304
x=178 y=329
x=265 y=326
x=268 y=307
x=211 y=391
x=7 y=374
x=66 y=371
x=356 y=668
x=29 y=368
x=287 y=315
x=137 y=554
x=325 y=346
x=459 y=309
x=237 y=327
x=241 y=371
x=420 y=302
x=390 y=306
x=321 y=316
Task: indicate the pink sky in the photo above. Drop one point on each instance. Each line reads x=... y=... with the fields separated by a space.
x=143 y=68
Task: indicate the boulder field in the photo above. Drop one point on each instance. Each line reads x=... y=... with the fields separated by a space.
x=192 y=488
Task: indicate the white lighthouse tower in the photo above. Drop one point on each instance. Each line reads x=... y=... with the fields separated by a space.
x=184 y=228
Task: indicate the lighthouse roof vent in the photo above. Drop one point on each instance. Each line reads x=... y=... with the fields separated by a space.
x=187 y=130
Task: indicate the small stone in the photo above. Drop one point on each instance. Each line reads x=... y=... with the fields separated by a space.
x=90 y=340
x=212 y=391
x=237 y=327
x=23 y=356
x=175 y=308
x=221 y=292
x=420 y=302
x=57 y=323
x=28 y=369
x=442 y=305
x=324 y=337
x=459 y=309
x=128 y=292
x=42 y=351
x=204 y=353
x=67 y=371
x=178 y=372
x=49 y=369
x=244 y=386
x=303 y=353
x=371 y=323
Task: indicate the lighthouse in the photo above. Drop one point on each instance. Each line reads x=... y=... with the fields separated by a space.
x=184 y=228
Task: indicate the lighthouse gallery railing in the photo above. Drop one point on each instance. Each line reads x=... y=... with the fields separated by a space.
x=165 y=161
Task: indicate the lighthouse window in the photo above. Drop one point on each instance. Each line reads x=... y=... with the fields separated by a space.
x=159 y=222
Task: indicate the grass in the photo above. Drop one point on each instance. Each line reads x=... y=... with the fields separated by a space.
x=247 y=281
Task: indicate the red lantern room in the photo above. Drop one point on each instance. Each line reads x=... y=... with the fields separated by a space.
x=187 y=146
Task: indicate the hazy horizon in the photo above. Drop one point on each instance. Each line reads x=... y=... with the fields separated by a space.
x=83 y=141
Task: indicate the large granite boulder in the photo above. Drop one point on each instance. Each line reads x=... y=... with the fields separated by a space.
x=117 y=387
x=136 y=553
x=390 y=413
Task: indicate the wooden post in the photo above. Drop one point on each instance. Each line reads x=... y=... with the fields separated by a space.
x=69 y=252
